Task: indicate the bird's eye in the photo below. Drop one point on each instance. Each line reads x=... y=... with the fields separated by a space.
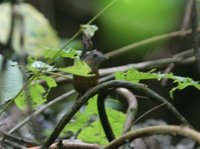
x=95 y=55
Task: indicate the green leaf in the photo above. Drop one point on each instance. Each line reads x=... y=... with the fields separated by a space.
x=117 y=120
x=135 y=76
x=95 y=130
x=81 y=119
x=79 y=68
x=50 y=52
x=182 y=83
x=35 y=95
x=36 y=92
x=89 y=30
x=32 y=97
x=11 y=81
x=93 y=134
x=49 y=80
x=20 y=101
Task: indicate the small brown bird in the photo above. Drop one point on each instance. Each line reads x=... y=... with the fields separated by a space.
x=81 y=84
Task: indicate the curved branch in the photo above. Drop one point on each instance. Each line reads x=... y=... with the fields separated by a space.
x=152 y=130
x=131 y=110
x=100 y=88
x=132 y=107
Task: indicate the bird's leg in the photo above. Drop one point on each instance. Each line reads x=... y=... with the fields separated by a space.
x=82 y=109
x=79 y=96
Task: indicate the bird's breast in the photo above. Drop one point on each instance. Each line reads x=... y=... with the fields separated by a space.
x=82 y=84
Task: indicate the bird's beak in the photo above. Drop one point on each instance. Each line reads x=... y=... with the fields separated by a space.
x=104 y=58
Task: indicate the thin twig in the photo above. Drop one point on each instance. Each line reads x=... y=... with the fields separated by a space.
x=58 y=74
x=167 y=70
x=181 y=58
x=184 y=54
x=186 y=17
x=146 y=42
x=41 y=109
x=195 y=39
x=145 y=65
x=14 y=144
x=16 y=139
x=146 y=113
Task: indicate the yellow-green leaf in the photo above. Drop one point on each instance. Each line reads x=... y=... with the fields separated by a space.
x=79 y=68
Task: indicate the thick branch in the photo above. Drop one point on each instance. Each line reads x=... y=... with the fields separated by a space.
x=72 y=145
x=132 y=107
x=131 y=111
x=103 y=116
x=152 y=130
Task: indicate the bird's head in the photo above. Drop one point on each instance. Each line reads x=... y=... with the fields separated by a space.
x=94 y=58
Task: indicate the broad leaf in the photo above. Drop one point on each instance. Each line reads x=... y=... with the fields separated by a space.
x=35 y=95
x=49 y=80
x=11 y=81
x=32 y=97
x=136 y=76
x=79 y=68
x=89 y=123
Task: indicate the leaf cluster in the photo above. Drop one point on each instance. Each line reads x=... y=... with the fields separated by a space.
x=136 y=76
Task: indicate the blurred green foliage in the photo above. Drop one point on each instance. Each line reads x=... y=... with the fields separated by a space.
x=36 y=29
x=129 y=21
